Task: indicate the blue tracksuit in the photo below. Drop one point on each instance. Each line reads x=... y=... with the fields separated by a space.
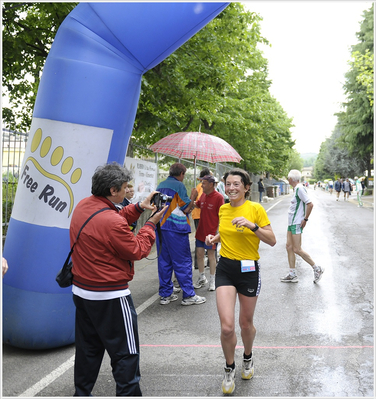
x=175 y=253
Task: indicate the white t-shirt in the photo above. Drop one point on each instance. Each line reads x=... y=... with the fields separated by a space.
x=298 y=204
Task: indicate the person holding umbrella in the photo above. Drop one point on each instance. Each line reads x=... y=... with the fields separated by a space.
x=242 y=225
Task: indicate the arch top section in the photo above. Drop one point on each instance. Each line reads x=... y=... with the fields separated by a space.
x=144 y=35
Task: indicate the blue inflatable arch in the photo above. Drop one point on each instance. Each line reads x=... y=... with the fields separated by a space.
x=83 y=117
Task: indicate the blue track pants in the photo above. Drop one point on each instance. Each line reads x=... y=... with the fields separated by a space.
x=175 y=256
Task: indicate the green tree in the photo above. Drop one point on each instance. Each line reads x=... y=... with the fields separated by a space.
x=335 y=160
x=217 y=82
x=364 y=64
x=28 y=32
x=356 y=121
x=296 y=161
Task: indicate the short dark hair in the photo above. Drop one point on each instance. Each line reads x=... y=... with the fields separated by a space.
x=244 y=176
x=177 y=168
x=204 y=172
x=107 y=176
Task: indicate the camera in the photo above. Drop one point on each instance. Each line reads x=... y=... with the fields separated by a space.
x=160 y=200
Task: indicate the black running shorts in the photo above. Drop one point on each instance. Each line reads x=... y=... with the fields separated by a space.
x=228 y=272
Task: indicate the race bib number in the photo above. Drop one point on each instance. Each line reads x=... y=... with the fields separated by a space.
x=248 y=266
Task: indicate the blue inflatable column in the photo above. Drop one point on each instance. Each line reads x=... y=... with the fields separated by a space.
x=83 y=117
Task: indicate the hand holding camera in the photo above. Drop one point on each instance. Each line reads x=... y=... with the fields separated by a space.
x=157 y=203
x=160 y=200
x=155 y=200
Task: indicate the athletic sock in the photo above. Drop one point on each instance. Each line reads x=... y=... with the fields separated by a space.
x=231 y=366
x=247 y=357
x=202 y=276
x=293 y=272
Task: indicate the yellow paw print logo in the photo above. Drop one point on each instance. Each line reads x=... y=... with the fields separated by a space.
x=56 y=159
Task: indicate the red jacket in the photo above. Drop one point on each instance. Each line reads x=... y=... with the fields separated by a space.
x=104 y=253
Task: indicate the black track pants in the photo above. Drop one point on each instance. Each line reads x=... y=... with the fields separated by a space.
x=109 y=325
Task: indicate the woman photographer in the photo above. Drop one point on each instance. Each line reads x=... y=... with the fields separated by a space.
x=102 y=268
x=242 y=225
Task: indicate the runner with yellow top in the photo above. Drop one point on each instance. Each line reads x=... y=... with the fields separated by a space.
x=242 y=225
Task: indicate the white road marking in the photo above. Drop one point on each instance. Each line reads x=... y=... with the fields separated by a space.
x=273 y=206
x=44 y=382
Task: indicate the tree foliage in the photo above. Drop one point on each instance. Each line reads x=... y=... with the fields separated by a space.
x=349 y=150
x=364 y=64
x=217 y=82
x=335 y=161
x=296 y=161
x=28 y=32
x=356 y=121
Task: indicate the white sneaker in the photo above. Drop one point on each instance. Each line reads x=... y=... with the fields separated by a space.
x=248 y=369
x=176 y=290
x=318 y=274
x=211 y=285
x=200 y=282
x=168 y=299
x=289 y=278
x=193 y=300
x=228 y=383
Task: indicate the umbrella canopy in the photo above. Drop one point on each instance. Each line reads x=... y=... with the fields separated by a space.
x=197 y=146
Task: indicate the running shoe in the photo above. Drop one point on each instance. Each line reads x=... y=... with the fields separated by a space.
x=289 y=278
x=248 y=369
x=200 y=282
x=168 y=299
x=211 y=285
x=193 y=300
x=317 y=273
x=228 y=383
x=176 y=290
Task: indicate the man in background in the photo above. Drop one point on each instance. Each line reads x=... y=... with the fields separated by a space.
x=298 y=214
x=175 y=254
x=196 y=211
x=209 y=203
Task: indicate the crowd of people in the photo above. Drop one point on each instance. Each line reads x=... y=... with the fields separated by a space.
x=225 y=218
x=346 y=186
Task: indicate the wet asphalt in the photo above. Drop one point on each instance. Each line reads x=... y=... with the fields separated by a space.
x=313 y=340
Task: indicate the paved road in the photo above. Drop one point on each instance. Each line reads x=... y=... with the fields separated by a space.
x=312 y=339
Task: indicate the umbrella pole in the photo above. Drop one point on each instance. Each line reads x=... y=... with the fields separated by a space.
x=194 y=174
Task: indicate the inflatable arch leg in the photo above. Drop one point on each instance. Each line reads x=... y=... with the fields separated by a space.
x=83 y=117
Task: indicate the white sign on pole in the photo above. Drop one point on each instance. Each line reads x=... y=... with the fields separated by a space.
x=144 y=177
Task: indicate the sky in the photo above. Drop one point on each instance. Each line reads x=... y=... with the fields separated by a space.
x=311 y=47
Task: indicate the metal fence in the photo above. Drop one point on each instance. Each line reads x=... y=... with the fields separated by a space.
x=13 y=151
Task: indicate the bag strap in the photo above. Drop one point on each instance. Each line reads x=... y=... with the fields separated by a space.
x=87 y=221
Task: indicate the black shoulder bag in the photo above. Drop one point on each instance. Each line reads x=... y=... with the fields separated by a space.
x=65 y=277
